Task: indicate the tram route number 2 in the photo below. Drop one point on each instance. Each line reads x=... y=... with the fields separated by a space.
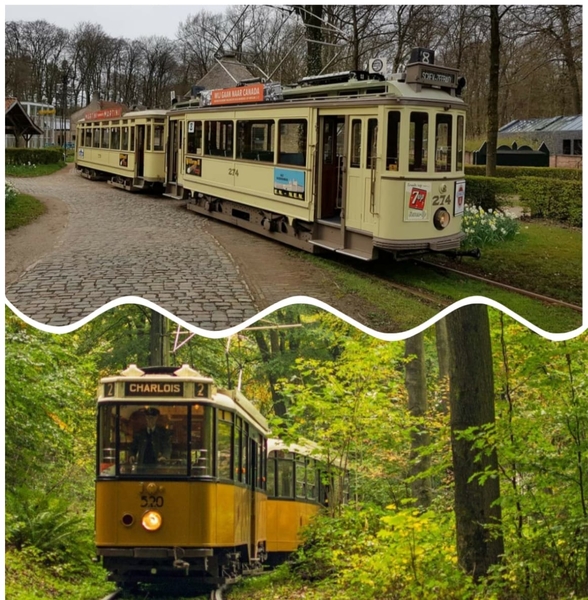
x=442 y=199
x=151 y=501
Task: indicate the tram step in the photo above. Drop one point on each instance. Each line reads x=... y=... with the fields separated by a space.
x=347 y=251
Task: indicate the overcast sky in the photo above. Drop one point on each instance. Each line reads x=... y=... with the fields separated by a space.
x=117 y=21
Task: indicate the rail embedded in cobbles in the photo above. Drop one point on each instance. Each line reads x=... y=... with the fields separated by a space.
x=119 y=244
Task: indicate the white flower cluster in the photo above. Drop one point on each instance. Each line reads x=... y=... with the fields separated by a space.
x=488 y=227
x=10 y=193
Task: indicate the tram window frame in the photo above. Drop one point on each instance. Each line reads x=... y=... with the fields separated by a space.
x=105 y=138
x=286 y=461
x=356 y=145
x=106 y=465
x=237 y=455
x=96 y=137
x=148 y=127
x=393 y=141
x=298 y=158
x=418 y=139
x=246 y=140
x=443 y=121
x=311 y=479
x=271 y=480
x=115 y=138
x=194 y=143
x=460 y=142
x=300 y=481
x=245 y=454
x=124 y=140
x=372 y=144
x=224 y=421
x=219 y=138
x=158 y=138
x=201 y=458
x=132 y=139
x=87 y=140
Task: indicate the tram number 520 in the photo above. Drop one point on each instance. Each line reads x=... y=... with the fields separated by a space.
x=151 y=501
x=442 y=199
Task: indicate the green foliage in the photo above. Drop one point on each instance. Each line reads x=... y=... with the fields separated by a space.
x=23 y=210
x=10 y=195
x=487 y=228
x=552 y=199
x=509 y=172
x=489 y=192
x=33 y=156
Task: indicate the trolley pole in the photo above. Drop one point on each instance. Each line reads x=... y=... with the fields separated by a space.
x=159 y=341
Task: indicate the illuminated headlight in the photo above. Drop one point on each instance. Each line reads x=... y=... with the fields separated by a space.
x=441 y=219
x=151 y=520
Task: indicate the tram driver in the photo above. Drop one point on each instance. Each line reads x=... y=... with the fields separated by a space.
x=152 y=445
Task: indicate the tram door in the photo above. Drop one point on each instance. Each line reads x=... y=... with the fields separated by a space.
x=173 y=145
x=332 y=172
x=140 y=150
x=361 y=173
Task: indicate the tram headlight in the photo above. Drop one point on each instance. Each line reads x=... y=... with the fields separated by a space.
x=151 y=520
x=441 y=219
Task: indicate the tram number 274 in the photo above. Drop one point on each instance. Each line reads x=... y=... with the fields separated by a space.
x=151 y=501
x=442 y=200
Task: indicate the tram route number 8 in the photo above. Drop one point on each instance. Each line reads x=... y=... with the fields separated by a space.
x=151 y=501
x=442 y=199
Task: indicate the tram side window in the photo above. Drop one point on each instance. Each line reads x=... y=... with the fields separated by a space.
x=255 y=140
x=107 y=442
x=245 y=458
x=148 y=137
x=459 y=143
x=88 y=138
x=271 y=475
x=125 y=139
x=115 y=138
x=419 y=141
x=132 y=144
x=355 y=155
x=300 y=477
x=96 y=137
x=261 y=463
x=292 y=144
x=218 y=138
x=105 y=135
x=194 y=137
x=201 y=433
x=311 y=476
x=238 y=457
x=285 y=478
x=158 y=138
x=393 y=141
x=224 y=445
x=443 y=142
x=372 y=143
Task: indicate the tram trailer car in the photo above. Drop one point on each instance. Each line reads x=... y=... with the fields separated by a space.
x=348 y=162
x=126 y=149
x=189 y=503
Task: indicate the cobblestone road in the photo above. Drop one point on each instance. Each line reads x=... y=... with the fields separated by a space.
x=119 y=244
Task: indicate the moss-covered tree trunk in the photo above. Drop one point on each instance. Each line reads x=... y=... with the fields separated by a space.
x=477 y=513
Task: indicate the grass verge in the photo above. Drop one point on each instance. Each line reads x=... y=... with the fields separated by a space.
x=24 y=210
x=32 y=170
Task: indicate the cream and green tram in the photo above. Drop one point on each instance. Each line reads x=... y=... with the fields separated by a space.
x=349 y=162
x=127 y=150
x=180 y=478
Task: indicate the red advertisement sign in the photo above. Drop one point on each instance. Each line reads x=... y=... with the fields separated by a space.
x=417 y=200
x=110 y=113
x=238 y=95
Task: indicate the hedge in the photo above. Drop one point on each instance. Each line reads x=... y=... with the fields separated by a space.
x=559 y=200
x=33 y=156
x=508 y=172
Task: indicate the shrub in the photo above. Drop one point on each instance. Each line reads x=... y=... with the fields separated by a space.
x=510 y=172
x=485 y=228
x=10 y=195
x=489 y=192
x=33 y=156
x=552 y=199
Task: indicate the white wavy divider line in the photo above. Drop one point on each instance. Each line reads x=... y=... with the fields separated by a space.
x=391 y=337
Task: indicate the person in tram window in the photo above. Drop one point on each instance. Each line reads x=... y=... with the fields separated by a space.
x=151 y=445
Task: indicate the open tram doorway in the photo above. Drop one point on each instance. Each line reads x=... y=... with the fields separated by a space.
x=332 y=145
x=174 y=144
x=140 y=150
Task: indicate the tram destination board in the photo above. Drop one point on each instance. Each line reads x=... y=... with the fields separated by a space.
x=443 y=77
x=154 y=388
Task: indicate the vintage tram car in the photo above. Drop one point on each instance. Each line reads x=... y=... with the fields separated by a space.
x=127 y=149
x=350 y=162
x=193 y=501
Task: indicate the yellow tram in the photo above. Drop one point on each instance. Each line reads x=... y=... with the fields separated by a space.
x=180 y=482
x=349 y=162
x=127 y=149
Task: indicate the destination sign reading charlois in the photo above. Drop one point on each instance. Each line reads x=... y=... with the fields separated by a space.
x=154 y=388
x=436 y=77
x=238 y=95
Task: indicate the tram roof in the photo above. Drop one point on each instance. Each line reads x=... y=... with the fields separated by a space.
x=305 y=448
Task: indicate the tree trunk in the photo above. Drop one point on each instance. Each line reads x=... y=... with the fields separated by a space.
x=443 y=361
x=312 y=15
x=492 y=122
x=568 y=53
x=416 y=385
x=159 y=343
x=477 y=512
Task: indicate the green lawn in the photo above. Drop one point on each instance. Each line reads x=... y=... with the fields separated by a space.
x=24 y=210
x=33 y=170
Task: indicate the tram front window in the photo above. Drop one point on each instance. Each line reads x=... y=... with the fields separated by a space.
x=153 y=439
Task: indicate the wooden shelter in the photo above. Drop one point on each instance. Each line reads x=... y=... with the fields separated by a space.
x=18 y=123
